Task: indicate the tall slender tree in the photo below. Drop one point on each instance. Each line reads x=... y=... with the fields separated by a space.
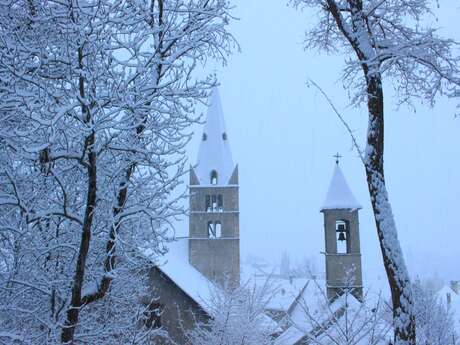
x=386 y=39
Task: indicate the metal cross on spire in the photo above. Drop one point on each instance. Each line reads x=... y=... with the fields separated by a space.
x=337 y=157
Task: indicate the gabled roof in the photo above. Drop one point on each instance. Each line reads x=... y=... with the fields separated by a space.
x=454 y=304
x=339 y=195
x=283 y=292
x=176 y=266
x=214 y=153
x=312 y=301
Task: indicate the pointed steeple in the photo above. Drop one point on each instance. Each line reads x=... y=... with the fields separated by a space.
x=339 y=195
x=215 y=164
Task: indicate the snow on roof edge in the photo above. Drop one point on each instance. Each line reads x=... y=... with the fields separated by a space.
x=339 y=194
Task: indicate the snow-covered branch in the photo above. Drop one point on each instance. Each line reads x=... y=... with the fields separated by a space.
x=237 y=317
x=96 y=102
x=385 y=40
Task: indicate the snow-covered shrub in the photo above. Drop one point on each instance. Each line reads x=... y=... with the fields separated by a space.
x=346 y=320
x=394 y=42
x=434 y=319
x=237 y=317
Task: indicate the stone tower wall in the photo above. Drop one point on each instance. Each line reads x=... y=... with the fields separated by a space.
x=341 y=268
x=216 y=258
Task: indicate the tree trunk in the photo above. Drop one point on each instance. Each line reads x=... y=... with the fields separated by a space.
x=73 y=311
x=361 y=41
x=395 y=266
x=77 y=301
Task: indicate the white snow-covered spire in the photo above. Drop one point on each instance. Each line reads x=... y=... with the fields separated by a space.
x=339 y=195
x=214 y=155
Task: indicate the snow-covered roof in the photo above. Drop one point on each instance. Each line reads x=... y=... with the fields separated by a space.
x=312 y=301
x=339 y=195
x=286 y=292
x=214 y=153
x=283 y=290
x=175 y=264
x=454 y=304
x=290 y=336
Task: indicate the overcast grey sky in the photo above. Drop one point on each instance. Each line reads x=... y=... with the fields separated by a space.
x=283 y=135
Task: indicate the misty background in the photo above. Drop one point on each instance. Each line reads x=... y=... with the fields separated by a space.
x=283 y=135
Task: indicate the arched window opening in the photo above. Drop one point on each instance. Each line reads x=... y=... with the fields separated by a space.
x=342 y=236
x=218 y=228
x=211 y=230
x=213 y=177
x=204 y=137
x=214 y=229
x=214 y=203
x=224 y=136
x=208 y=203
x=220 y=203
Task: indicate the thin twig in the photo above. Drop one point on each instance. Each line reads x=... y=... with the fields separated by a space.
x=341 y=118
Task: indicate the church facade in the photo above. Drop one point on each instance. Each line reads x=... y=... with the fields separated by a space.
x=210 y=255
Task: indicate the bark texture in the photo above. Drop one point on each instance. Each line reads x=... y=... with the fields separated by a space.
x=357 y=33
x=395 y=267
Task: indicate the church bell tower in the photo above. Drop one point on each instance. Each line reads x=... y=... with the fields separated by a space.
x=341 y=230
x=214 y=244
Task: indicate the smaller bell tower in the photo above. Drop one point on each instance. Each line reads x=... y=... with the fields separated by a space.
x=341 y=232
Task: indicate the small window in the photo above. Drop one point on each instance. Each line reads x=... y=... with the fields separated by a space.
x=214 y=229
x=218 y=229
x=208 y=203
x=224 y=136
x=220 y=203
x=214 y=177
x=342 y=236
x=211 y=230
x=214 y=203
x=204 y=137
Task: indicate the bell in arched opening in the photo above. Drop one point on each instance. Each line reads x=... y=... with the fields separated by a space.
x=342 y=231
